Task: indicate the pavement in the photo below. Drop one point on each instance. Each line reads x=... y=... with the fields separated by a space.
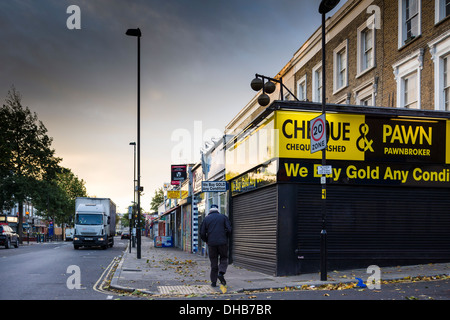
x=171 y=271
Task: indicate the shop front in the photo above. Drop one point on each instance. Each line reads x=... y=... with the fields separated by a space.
x=387 y=197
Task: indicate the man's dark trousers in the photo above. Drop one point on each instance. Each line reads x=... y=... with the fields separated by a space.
x=216 y=267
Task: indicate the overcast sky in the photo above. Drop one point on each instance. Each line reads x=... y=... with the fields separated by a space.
x=197 y=60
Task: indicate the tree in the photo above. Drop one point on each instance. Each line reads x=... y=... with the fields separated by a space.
x=125 y=221
x=72 y=187
x=56 y=199
x=27 y=159
x=157 y=199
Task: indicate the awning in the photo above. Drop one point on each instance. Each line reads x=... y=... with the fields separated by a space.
x=169 y=211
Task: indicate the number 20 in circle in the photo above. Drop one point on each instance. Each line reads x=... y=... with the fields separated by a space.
x=317 y=129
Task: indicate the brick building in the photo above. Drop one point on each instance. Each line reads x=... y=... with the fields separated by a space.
x=380 y=54
x=389 y=53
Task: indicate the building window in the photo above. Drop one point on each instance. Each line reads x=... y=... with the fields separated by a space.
x=340 y=67
x=366 y=46
x=409 y=21
x=317 y=83
x=442 y=10
x=440 y=54
x=446 y=86
x=367 y=49
x=366 y=101
x=407 y=74
x=301 y=89
x=365 y=94
x=409 y=89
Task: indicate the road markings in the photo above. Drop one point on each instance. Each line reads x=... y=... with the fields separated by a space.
x=98 y=286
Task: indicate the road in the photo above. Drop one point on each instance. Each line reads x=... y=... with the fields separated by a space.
x=41 y=271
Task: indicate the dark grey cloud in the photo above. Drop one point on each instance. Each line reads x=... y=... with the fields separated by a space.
x=198 y=57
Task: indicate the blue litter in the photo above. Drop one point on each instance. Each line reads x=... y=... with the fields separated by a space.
x=360 y=283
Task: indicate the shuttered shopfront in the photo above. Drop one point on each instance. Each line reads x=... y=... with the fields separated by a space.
x=255 y=230
x=373 y=225
x=387 y=199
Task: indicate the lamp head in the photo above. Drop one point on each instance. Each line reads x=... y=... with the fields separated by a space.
x=327 y=5
x=257 y=84
x=263 y=100
x=269 y=87
x=133 y=32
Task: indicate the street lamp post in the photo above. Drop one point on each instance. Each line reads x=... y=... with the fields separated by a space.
x=134 y=197
x=325 y=7
x=137 y=33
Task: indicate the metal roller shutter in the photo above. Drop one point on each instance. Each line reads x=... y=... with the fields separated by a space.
x=255 y=230
x=366 y=222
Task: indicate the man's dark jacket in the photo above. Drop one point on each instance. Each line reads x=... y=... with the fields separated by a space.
x=215 y=229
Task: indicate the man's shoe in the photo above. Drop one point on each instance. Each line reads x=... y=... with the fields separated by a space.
x=213 y=284
x=222 y=279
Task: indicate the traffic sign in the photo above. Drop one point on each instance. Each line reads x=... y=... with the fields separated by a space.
x=318 y=134
x=324 y=170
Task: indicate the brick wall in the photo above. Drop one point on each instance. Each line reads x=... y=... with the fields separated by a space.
x=387 y=54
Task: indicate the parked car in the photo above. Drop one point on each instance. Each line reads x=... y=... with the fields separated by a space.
x=125 y=235
x=8 y=237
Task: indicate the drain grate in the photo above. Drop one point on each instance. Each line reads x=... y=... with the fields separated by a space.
x=132 y=270
x=185 y=289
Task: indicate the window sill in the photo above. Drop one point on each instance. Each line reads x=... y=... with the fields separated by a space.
x=360 y=74
x=441 y=21
x=340 y=89
x=408 y=42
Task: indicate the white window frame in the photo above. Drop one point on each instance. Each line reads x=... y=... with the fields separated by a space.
x=405 y=85
x=439 y=49
x=403 y=69
x=365 y=91
x=343 y=99
x=317 y=96
x=446 y=86
x=401 y=21
x=370 y=26
x=288 y=96
x=439 y=11
x=337 y=68
x=301 y=89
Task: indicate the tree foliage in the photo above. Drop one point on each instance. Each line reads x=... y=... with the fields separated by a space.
x=29 y=168
x=56 y=199
x=157 y=199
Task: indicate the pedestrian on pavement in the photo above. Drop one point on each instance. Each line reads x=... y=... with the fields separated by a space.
x=215 y=231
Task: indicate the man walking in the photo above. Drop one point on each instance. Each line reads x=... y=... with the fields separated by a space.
x=215 y=230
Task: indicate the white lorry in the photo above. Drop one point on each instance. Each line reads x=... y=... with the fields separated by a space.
x=95 y=222
x=69 y=234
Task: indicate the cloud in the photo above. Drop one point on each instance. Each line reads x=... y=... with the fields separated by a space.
x=197 y=60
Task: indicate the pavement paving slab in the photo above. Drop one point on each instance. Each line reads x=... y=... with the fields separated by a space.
x=171 y=271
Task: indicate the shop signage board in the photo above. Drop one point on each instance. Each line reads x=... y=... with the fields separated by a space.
x=363 y=173
x=214 y=186
x=361 y=148
x=197 y=178
x=177 y=194
x=294 y=135
x=366 y=138
x=254 y=179
x=178 y=173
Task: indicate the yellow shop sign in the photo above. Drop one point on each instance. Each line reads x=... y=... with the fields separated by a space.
x=343 y=130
